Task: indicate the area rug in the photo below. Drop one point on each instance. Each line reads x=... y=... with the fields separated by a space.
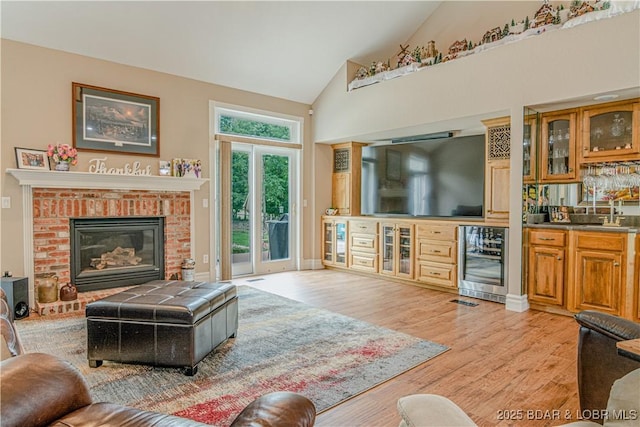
x=281 y=345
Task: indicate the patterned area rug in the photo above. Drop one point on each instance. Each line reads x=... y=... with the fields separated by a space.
x=281 y=345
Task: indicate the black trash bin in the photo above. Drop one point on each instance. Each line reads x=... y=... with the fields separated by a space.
x=279 y=237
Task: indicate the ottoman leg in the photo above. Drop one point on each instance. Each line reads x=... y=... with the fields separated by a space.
x=191 y=370
x=95 y=363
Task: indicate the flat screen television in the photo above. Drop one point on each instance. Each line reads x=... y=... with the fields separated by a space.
x=435 y=178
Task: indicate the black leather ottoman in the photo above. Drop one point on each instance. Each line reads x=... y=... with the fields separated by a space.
x=162 y=323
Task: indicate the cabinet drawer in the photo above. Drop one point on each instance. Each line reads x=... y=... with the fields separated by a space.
x=366 y=227
x=437 y=250
x=364 y=262
x=437 y=232
x=547 y=237
x=363 y=242
x=616 y=242
x=437 y=274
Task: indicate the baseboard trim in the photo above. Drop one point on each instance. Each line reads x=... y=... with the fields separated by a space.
x=518 y=303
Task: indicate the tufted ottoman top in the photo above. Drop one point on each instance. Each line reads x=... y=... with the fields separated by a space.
x=164 y=301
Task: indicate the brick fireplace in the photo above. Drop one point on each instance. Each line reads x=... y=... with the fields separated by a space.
x=51 y=199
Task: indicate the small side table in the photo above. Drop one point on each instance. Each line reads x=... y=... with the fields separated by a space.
x=629 y=348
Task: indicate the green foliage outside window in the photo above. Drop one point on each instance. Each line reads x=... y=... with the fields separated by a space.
x=245 y=127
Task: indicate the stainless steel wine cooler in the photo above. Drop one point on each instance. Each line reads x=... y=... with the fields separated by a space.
x=483 y=262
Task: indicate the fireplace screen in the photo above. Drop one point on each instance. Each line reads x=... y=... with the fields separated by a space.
x=112 y=252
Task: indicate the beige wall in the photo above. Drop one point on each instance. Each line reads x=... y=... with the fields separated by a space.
x=36 y=111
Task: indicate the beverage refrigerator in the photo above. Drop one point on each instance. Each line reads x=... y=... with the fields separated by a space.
x=482 y=262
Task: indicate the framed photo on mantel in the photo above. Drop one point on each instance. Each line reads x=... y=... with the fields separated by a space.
x=108 y=120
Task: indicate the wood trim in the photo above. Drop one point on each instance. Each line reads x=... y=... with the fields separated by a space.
x=256 y=141
x=225 y=210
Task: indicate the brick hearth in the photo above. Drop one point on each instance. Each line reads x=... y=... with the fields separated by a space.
x=84 y=298
x=52 y=208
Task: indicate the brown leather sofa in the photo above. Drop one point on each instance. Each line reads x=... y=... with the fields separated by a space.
x=38 y=389
x=599 y=364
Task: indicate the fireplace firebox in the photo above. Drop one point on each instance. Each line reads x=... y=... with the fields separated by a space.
x=113 y=252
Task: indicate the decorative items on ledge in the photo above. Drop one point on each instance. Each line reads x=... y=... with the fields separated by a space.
x=545 y=18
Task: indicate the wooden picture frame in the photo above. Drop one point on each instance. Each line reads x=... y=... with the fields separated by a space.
x=108 y=120
x=28 y=158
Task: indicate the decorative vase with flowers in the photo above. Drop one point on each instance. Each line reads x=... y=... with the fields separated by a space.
x=63 y=155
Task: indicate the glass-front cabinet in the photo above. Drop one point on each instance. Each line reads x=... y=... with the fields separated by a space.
x=558 y=144
x=396 y=246
x=611 y=131
x=334 y=242
x=529 y=149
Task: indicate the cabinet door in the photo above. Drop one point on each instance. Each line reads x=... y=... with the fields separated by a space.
x=497 y=190
x=611 y=132
x=340 y=245
x=327 y=242
x=387 y=248
x=558 y=145
x=636 y=286
x=546 y=275
x=599 y=279
x=529 y=151
x=341 y=197
x=405 y=251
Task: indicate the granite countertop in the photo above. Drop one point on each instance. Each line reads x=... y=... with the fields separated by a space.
x=586 y=222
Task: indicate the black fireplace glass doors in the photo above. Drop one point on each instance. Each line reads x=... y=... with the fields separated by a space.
x=112 y=252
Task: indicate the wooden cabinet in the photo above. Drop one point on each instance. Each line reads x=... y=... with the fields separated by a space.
x=345 y=181
x=611 y=131
x=363 y=245
x=547 y=266
x=436 y=254
x=497 y=170
x=396 y=249
x=334 y=242
x=559 y=131
x=599 y=272
x=636 y=283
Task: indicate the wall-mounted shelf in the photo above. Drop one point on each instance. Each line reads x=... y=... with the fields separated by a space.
x=55 y=179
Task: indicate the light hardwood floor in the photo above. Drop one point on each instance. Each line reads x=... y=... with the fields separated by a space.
x=499 y=360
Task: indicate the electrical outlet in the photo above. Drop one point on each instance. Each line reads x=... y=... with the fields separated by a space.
x=6 y=202
x=205 y=259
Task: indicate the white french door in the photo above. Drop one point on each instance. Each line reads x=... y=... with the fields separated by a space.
x=264 y=204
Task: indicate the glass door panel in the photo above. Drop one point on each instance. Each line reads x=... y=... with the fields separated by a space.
x=558 y=146
x=241 y=228
x=405 y=252
x=328 y=241
x=388 y=248
x=274 y=240
x=341 y=242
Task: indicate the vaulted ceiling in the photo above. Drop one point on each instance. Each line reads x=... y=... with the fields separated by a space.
x=288 y=49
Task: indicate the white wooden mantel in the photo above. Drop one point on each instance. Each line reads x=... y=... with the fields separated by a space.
x=84 y=180
x=29 y=179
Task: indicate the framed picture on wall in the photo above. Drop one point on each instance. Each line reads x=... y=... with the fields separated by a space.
x=107 y=120
x=27 y=158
